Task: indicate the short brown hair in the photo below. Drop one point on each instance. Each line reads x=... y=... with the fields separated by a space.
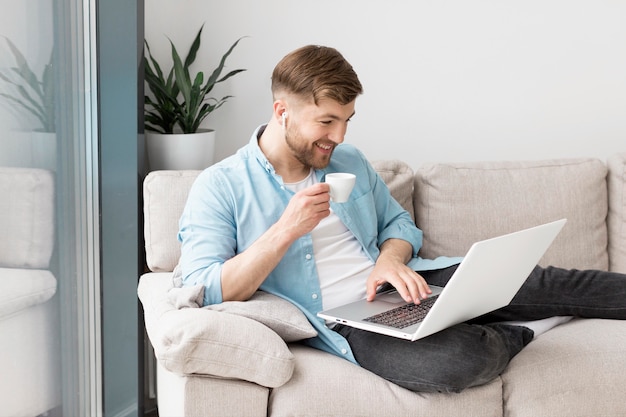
x=316 y=72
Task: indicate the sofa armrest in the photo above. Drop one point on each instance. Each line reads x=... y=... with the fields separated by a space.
x=204 y=341
x=24 y=288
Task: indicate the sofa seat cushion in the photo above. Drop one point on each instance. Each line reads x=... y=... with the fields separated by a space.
x=207 y=342
x=326 y=385
x=26 y=217
x=457 y=204
x=574 y=370
x=23 y=288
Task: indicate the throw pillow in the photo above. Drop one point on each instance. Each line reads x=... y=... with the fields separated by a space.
x=207 y=342
x=276 y=313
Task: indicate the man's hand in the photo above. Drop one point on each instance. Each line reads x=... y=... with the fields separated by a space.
x=391 y=267
x=244 y=274
x=305 y=210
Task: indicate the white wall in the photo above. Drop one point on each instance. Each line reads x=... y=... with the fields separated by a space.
x=28 y=24
x=444 y=80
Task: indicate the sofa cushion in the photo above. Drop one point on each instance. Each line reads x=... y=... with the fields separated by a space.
x=617 y=212
x=165 y=194
x=205 y=396
x=574 y=370
x=457 y=204
x=203 y=341
x=23 y=288
x=276 y=313
x=398 y=177
x=26 y=217
x=356 y=391
x=284 y=318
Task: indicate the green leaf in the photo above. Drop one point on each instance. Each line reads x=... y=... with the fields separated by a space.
x=23 y=70
x=193 y=50
x=183 y=80
x=34 y=95
x=216 y=73
x=176 y=97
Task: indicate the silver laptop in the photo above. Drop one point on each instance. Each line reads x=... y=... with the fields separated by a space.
x=488 y=278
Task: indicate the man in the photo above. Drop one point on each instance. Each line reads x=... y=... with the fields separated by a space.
x=262 y=219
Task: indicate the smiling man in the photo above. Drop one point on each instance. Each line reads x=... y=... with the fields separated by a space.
x=263 y=219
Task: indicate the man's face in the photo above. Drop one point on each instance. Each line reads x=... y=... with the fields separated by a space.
x=313 y=131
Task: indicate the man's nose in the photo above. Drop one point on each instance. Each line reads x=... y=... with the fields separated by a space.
x=338 y=133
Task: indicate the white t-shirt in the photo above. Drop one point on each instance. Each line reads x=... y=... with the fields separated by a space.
x=342 y=264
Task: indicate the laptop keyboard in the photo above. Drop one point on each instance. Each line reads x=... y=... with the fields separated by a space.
x=403 y=316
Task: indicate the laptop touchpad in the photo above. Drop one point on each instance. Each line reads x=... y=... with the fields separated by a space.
x=392 y=297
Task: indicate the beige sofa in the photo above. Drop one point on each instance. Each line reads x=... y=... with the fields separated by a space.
x=240 y=359
x=30 y=368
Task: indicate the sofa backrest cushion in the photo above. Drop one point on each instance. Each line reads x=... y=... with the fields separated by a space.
x=165 y=194
x=398 y=176
x=616 y=219
x=457 y=204
x=26 y=217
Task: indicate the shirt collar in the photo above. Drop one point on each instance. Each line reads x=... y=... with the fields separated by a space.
x=258 y=153
x=262 y=159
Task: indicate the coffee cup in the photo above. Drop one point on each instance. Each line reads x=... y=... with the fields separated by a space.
x=341 y=184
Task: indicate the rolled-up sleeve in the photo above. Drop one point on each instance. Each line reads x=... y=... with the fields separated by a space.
x=207 y=235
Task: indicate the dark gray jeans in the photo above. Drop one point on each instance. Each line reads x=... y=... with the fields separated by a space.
x=475 y=352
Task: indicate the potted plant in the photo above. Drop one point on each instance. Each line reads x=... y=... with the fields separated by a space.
x=177 y=105
x=36 y=96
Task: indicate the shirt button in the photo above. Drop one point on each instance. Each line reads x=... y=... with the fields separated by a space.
x=344 y=351
x=314 y=296
x=308 y=256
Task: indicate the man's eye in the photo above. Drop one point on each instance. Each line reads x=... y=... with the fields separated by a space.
x=326 y=122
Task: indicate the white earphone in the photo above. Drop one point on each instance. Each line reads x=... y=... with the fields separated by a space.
x=284 y=115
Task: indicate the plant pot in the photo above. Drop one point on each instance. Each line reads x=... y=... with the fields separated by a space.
x=31 y=149
x=44 y=150
x=180 y=151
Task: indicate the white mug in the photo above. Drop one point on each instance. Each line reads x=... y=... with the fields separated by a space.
x=341 y=184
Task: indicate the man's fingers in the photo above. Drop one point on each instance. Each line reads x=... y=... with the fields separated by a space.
x=413 y=287
x=371 y=287
x=317 y=189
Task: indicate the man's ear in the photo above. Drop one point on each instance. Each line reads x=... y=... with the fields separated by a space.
x=280 y=111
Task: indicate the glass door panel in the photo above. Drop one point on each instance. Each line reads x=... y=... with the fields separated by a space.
x=49 y=241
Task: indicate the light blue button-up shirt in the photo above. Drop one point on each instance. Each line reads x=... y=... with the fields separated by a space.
x=234 y=202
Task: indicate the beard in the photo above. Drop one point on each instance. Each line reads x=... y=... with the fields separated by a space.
x=306 y=152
